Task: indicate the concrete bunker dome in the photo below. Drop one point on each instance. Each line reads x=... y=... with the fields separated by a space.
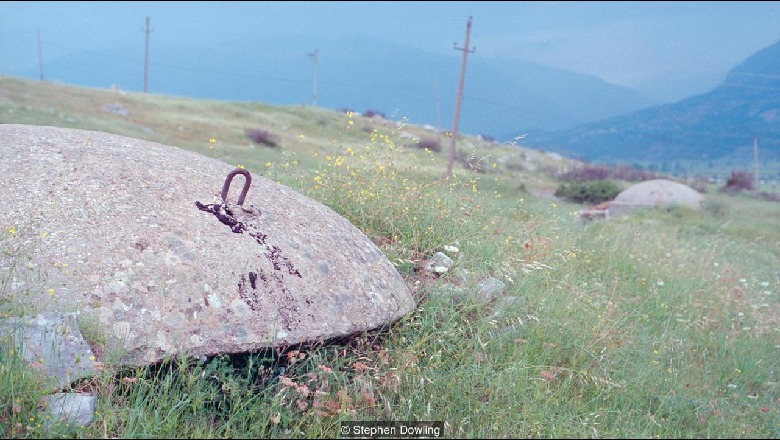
x=135 y=235
x=656 y=192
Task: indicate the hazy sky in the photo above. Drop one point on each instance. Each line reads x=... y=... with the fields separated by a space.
x=657 y=48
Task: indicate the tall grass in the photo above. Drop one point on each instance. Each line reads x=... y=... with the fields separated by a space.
x=397 y=204
x=664 y=324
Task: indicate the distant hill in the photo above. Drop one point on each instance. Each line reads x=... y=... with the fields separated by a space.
x=500 y=96
x=714 y=125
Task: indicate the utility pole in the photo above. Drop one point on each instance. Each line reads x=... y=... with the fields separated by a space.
x=146 y=57
x=755 y=162
x=314 y=57
x=438 y=112
x=459 y=98
x=40 y=54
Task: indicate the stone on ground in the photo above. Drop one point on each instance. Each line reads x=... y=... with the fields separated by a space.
x=72 y=408
x=52 y=343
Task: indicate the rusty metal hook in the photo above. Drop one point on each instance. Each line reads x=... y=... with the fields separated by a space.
x=247 y=182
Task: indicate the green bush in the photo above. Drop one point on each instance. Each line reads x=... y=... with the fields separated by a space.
x=739 y=181
x=592 y=191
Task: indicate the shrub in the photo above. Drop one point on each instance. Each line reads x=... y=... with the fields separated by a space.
x=631 y=174
x=769 y=196
x=593 y=172
x=739 y=181
x=474 y=163
x=584 y=174
x=590 y=192
x=262 y=137
x=430 y=144
x=371 y=113
x=471 y=162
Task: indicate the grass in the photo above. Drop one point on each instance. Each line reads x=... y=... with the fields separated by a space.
x=663 y=324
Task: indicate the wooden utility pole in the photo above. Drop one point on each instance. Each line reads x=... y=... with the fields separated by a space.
x=146 y=57
x=40 y=54
x=314 y=57
x=755 y=162
x=458 y=99
x=438 y=112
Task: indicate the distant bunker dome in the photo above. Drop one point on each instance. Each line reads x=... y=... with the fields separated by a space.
x=657 y=192
x=135 y=237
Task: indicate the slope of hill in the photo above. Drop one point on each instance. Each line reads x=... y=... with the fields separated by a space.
x=218 y=129
x=539 y=324
x=718 y=124
x=660 y=325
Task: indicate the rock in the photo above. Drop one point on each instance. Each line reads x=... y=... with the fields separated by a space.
x=589 y=214
x=134 y=235
x=439 y=263
x=53 y=344
x=73 y=408
x=116 y=108
x=482 y=293
x=489 y=288
x=453 y=294
x=462 y=275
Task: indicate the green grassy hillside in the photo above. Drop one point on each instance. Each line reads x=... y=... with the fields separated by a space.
x=191 y=124
x=664 y=324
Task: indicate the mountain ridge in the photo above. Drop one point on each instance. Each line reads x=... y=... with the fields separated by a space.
x=713 y=125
